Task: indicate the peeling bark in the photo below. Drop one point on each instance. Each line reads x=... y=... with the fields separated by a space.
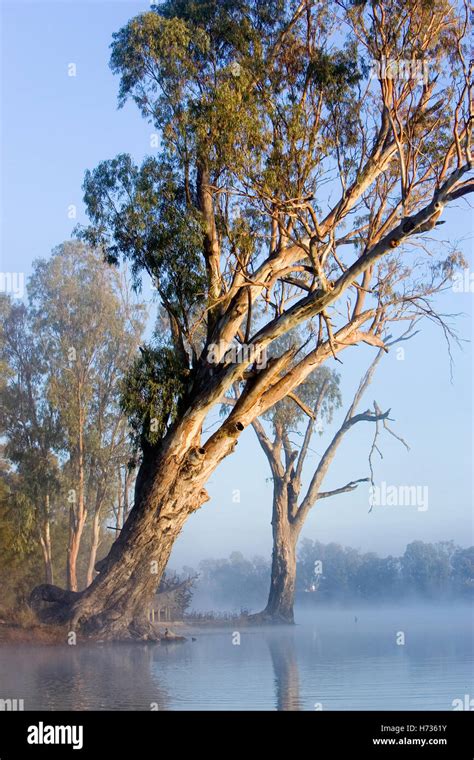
x=115 y=605
x=281 y=598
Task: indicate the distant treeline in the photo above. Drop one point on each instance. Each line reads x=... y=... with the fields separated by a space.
x=333 y=573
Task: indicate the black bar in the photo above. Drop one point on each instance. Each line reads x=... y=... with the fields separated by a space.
x=322 y=735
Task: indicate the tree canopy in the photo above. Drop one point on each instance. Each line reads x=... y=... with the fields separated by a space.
x=306 y=149
x=285 y=170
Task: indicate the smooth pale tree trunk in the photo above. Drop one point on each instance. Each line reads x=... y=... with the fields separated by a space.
x=126 y=487
x=78 y=513
x=48 y=563
x=95 y=534
x=76 y=528
x=45 y=542
x=119 y=514
x=47 y=559
x=95 y=540
x=128 y=478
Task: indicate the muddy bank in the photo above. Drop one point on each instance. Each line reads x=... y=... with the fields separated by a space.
x=48 y=635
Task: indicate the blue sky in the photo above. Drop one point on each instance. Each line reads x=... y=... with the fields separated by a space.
x=54 y=127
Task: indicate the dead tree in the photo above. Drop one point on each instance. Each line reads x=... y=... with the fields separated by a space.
x=292 y=505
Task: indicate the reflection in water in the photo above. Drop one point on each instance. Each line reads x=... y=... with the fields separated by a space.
x=285 y=665
x=86 y=677
x=327 y=659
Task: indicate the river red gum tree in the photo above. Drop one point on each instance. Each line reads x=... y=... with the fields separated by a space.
x=288 y=190
x=291 y=503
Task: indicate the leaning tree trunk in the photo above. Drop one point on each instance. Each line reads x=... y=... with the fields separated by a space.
x=281 y=597
x=169 y=488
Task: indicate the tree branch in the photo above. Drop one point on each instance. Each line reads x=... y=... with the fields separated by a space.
x=344 y=489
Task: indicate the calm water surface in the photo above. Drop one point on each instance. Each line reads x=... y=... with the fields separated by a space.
x=329 y=661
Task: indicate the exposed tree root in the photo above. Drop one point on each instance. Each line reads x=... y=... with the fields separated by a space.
x=269 y=618
x=56 y=606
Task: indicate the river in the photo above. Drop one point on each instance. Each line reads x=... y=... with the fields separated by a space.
x=410 y=658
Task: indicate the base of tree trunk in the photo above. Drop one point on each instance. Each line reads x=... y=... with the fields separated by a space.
x=52 y=604
x=266 y=617
x=56 y=606
x=115 y=606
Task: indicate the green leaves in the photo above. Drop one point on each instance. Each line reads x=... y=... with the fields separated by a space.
x=142 y=214
x=334 y=73
x=151 y=393
x=192 y=68
x=167 y=51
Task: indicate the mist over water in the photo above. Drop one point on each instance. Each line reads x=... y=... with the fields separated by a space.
x=347 y=658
